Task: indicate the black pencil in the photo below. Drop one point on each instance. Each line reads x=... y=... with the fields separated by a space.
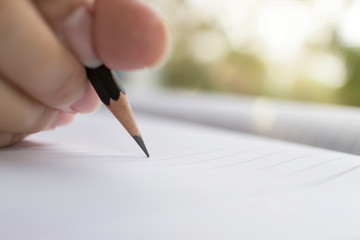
x=113 y=95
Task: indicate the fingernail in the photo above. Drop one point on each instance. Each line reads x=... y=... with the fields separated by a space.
x=77 y=30
x=88 y=103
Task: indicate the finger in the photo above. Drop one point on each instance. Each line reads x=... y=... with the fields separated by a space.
x=55 y=11
x=72 y=21
x=34 y=59
x=129 y=34
x=8 y=139
x=21 y=114
x=62 y=120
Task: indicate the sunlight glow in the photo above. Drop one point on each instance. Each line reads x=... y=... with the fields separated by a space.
x=328 y=69
x=283 y=27
x=208 y=47
x=292 y=39
x=349 y=26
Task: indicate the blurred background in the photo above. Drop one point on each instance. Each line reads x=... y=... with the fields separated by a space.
x=305 y=50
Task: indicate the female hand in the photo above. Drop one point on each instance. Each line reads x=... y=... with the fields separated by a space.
x=44 y=45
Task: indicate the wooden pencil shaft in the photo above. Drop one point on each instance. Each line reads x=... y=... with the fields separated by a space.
x=113 y=95
x=122 y=111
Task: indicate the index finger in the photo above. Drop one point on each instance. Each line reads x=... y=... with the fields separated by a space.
x=35 y=61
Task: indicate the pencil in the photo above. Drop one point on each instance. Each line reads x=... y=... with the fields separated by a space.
x=113 y=95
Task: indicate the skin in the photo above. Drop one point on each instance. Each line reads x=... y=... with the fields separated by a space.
x=42 y=79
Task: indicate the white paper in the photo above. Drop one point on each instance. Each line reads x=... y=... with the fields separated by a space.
x=91 y=181
x=321 y=125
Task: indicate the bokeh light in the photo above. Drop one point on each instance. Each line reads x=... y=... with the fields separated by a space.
x=306 y=50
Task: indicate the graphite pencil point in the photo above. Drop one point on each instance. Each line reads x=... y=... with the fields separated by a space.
x=141 y=144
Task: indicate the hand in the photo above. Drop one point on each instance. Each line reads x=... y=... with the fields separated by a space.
x=44 y=45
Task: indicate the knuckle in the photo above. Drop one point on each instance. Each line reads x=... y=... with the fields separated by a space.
x=68 y=89
x=35 y=122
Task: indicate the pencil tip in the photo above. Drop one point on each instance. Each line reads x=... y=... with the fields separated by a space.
x=141 y=143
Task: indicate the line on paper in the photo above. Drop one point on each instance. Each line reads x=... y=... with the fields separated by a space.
x=287 y=161
x=225 y=156
x=331 y=178
x=317 y=165
x=255 y=158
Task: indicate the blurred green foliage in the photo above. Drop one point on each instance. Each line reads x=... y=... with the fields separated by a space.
x=350 y=92
x=240 y=71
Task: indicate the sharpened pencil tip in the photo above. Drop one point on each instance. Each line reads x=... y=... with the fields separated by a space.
x=141 y=143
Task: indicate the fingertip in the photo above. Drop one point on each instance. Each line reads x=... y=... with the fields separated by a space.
x=88 y=103
x=9 y=139
x=129 y=34
x=163 y=55
x=164 y=35
x=62 y=120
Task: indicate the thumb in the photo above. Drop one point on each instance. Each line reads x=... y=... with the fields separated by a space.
x=129 y=34
x=124 y=34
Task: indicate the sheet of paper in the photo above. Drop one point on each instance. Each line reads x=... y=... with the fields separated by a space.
x=91 y=181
